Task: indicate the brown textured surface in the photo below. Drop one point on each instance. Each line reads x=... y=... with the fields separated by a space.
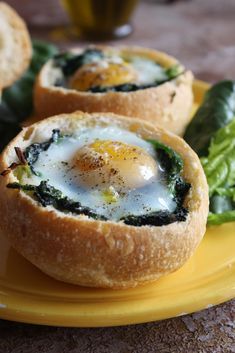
x=201 y=34
x=208 y=331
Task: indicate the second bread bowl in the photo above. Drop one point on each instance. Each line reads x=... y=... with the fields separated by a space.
x=130 y=81
x=15 y=46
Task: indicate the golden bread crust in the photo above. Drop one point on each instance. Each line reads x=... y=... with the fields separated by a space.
x=168 y=104
x=15 y=46
x=80 y=250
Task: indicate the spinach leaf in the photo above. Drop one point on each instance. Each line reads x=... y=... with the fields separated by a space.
x=220 y=218
x=219 y=167
x=17 y=100
x=47 y=195
x=172 y=164
x=216 y=111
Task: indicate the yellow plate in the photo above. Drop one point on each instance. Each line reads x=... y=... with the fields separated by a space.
x=208 y=278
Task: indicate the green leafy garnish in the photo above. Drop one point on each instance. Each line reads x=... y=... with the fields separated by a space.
x=216 y=111
x=219 y=167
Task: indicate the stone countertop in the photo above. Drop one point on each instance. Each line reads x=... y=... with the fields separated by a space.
x=200 y=33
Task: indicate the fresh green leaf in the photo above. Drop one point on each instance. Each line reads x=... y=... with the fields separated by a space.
x=219 y=167
x=216 y=111
x=220 y=218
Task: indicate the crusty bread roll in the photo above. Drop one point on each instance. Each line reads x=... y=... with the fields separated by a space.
x=15 y=46
x=80 y=250
x=168 y=104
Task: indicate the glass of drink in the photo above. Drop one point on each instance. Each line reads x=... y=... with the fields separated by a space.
x=101 y=19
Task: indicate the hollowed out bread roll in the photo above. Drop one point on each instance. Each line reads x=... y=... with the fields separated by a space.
x=168 y=104
x=15 y=46
x=81 y=250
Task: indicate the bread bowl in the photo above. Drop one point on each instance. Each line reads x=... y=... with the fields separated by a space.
x=80 y=244
x=15 y=46
x=131 y=81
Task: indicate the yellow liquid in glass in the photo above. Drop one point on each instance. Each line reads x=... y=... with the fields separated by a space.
x=101 y=18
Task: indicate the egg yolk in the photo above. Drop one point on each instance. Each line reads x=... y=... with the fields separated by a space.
x=102 y=73
x=104 y=163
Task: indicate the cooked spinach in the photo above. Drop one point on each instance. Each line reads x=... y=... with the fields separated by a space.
x=125 y=87
x=172 y=164
x=47 y=195
x=219 y=167
x=17 y=100
x=216 y=111
x=69 y=62
x=33 y=151
x=158 y=218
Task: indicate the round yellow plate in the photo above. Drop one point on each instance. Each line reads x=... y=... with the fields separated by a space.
x=208 y=278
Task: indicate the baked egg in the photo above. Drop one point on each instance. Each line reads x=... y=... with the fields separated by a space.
x=113 y=69
x=109 y=169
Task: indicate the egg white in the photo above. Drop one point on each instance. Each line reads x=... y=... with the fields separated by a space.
x=147 y=70
x=55 y=166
